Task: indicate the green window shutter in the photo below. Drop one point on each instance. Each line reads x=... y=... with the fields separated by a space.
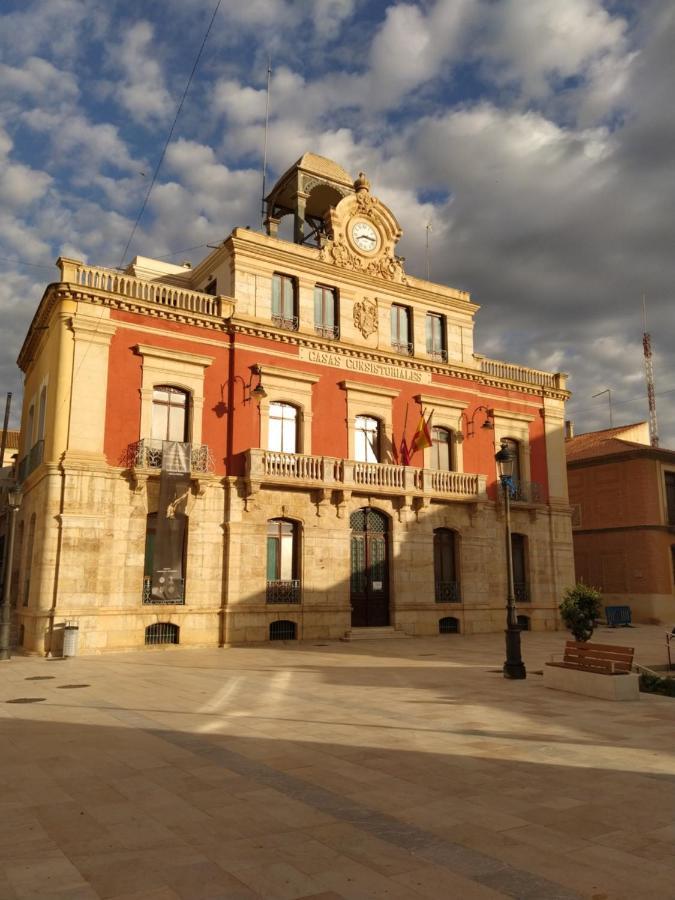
x=272 y=559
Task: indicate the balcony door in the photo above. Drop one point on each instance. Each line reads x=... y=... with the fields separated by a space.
x=369 y=582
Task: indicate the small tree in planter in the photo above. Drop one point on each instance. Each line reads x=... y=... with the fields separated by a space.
x=579 y=609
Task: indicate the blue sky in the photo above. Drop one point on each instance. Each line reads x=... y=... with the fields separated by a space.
x=535 y=135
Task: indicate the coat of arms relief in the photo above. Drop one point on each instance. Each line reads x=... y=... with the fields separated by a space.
x=365 y=317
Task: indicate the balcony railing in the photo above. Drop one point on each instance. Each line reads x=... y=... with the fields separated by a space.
x=295 y=469
x=173 y=456
x=526 y=492
x=448 y=592
x=283 y=591
x=177 y=598
x=512 y=372
x=133 y=288
x=330 y=332
x=288 y=323
x=31 y=461
x=402 y=347
x=438 y=354
x=521 y=591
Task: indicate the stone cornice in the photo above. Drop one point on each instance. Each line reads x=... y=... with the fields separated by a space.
x=435 y=368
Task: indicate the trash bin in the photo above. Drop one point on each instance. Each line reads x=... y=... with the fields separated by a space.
x=70 y=636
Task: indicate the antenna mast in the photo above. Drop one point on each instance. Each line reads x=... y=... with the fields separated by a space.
x=649 y=375
x=267 y=114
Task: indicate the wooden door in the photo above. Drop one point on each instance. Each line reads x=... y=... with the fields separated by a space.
x=369 y=584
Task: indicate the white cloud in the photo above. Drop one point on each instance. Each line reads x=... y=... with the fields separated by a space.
x=142 y=92
x=39 y=79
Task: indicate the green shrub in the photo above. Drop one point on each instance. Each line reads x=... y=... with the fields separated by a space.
x=655 y=684
x=579 y=609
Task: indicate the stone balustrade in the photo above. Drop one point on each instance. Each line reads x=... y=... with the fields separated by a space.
x=513 y=372
x=134 y=288
x=295 y=469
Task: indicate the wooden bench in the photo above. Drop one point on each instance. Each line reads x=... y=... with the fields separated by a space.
x=605 y=659
x=582 y=662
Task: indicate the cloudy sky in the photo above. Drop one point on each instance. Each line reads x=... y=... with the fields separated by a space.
x=537 y=137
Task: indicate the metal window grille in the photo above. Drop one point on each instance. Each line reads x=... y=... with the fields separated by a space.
x=448 y=592
x=162 y=633
x=440 y=355
x=526 y=492
x=330 y=332
x=283 y=630
x=523 y=623
x=288 y=323
x=178 y=588
x=283 y=591
x=448 y=625
x=521 y=590
x=403 y=347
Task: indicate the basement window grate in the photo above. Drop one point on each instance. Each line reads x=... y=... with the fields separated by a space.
x=162 y=633
x=283 y=630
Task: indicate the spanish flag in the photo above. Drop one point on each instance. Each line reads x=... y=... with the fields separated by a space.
x=422 y=436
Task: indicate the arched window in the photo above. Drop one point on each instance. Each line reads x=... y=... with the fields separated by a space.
x=448 y=625
x=170 y=413
x=283 y=428
x=283 y=630
x=283 y=582
x=521 y=586
x=446 y=570
x=441 y=449
x=367 y=439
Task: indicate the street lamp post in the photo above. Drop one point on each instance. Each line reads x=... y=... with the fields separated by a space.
x=13 y=506
x=514 y=667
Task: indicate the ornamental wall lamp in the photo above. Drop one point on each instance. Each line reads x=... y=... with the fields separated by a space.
x=256 y=393
x=488 y=424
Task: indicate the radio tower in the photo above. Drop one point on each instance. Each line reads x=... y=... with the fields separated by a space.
x=649 y=374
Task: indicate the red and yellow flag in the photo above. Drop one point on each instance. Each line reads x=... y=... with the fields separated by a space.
x=422 y=436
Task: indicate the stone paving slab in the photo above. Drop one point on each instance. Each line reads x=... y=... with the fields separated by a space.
x=383 y=769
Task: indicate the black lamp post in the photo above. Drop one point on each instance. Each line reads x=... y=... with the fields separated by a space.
x=13 y=506
x=514 y=667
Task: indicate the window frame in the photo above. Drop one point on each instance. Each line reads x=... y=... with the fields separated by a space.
x=521 y=587
x=283 y=405
x=401 y=313
x=171 y=390
x=446 y=542
x=375 y=447
x=331 y=332
x=436 y=352
x=281 y=589
x=281 y=318
x=669 y=488
x=433 y=452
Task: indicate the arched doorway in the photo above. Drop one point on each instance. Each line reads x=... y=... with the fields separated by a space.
x=369 y=582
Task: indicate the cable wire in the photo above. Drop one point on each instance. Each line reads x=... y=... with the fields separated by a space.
x=168 y=140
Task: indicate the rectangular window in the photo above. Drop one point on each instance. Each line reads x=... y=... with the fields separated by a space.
x=435 y=334
x=284 y=305
x=670 y=497
x=367 y=439
x=325 y=311
x=401 y=330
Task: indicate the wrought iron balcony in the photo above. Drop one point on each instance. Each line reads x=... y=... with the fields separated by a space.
x=521 y=590
x=402 y=347
x=172 y=456
x=448 y=592
x=31 y=461
x=178 y=598
x=438 y=354
x=330 y=332
x=526 y=492
x=283 y=591
x=288 y=323
x=270 y=467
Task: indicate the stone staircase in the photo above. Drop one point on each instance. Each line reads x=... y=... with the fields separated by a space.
x=387 y=632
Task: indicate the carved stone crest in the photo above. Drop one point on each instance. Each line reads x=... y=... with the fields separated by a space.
x=365 y=316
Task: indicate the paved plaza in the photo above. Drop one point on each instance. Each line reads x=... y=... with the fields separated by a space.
x=396 y=769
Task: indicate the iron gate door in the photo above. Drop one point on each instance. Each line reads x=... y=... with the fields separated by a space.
x=369 y=583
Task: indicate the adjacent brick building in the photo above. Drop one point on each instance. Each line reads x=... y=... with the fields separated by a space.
x=622 y=493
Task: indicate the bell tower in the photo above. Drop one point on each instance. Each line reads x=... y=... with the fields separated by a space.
x=307 y=191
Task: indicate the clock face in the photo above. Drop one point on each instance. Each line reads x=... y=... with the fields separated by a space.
x=364 y=236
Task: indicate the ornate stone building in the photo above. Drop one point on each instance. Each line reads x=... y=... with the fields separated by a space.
x=213 y=454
